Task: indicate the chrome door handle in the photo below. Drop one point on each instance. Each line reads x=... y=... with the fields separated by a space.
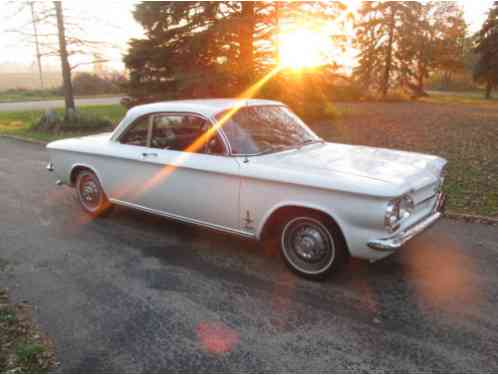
x=148 y=154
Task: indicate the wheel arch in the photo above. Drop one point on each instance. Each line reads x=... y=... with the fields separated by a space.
x=77 y=168
x=288 y=209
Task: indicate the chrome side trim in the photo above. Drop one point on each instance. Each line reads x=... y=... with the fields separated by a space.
x=425 y=200
x=216 y=227
x=394 y=243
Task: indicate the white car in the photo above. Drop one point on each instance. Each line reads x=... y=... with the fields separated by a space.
x=254 y=169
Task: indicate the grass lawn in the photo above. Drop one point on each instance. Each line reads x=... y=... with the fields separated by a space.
x=470 y=97
x=466 y=134
x=20 y=123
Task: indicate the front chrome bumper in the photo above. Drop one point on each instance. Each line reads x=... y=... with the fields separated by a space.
x=393 y=243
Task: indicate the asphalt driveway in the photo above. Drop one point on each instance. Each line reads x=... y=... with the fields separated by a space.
x=133 y=293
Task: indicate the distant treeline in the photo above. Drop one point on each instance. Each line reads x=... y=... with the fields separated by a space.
x=218 y=49
x=84 y=83
x=28 y=80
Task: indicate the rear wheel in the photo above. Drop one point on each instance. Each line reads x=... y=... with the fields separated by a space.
x=312 y=245
x=90 y=194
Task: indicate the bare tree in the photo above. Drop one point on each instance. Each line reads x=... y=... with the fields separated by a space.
x=66 y=68
x=37 y=43
x=57 y=35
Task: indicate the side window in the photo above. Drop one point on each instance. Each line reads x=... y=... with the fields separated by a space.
x=137 y=133
x=180 y=132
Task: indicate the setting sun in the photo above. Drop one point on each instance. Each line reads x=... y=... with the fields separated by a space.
x=303 y=48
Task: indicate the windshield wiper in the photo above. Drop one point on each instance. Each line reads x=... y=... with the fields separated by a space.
x=310 y=142
x=273 y=149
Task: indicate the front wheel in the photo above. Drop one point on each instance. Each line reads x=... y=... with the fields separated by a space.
x=90 y=194
x=312 y=245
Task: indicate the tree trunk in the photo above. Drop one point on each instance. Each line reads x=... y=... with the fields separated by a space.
x=447 y=80
x=489 y=89
x=389 y=53
x=66 y=69
x=246 y=41
x=420 y=78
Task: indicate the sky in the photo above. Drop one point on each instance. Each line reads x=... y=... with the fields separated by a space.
x=112 y=22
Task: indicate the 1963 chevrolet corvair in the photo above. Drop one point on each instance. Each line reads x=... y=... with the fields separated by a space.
x=253 y=168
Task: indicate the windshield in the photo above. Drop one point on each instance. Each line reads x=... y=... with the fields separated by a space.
x=260 y=129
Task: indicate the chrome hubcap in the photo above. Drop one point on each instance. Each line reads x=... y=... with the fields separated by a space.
x=89 y=193
x=309 y=244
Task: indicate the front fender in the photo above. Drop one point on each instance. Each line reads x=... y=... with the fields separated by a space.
x=295 y=204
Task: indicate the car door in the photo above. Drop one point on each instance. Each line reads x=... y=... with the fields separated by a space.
x=183 y=172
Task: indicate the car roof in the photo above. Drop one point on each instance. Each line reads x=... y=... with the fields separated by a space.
x=205 y=107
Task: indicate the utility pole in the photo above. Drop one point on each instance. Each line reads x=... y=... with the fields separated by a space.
x=66 y=69
x=37 y=45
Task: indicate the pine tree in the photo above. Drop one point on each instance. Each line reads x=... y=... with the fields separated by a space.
x=434 y=41
x=212 y=48
x=486 y=69
x=450 y=46
x=199 y=48
x=379 y=35
x=181 y=47
x=402 y=42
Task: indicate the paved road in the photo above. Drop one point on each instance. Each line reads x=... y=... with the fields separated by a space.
x=134 y=293
x=47 y=104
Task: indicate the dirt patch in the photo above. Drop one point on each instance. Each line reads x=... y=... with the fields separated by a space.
x=23 y=348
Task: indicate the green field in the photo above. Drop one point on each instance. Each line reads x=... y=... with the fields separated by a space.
x=466 y=134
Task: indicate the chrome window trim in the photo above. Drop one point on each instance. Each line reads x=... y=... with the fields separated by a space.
x=220 y=129
x=153 y=115
x=119 y=136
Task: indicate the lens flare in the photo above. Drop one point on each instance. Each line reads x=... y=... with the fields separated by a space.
x=216 y=337
x=443 y=275
x=303 y=48
x=166 y=171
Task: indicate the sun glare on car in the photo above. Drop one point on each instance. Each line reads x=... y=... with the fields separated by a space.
x=303 y=48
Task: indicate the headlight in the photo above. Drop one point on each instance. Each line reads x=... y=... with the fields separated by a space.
x=397 y=210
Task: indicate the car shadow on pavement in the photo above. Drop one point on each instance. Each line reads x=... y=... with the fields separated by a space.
x=427 y=273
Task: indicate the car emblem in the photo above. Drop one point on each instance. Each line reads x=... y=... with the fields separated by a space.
x=248 y=221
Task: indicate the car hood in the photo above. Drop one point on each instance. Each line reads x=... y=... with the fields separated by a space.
x=406 y=170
